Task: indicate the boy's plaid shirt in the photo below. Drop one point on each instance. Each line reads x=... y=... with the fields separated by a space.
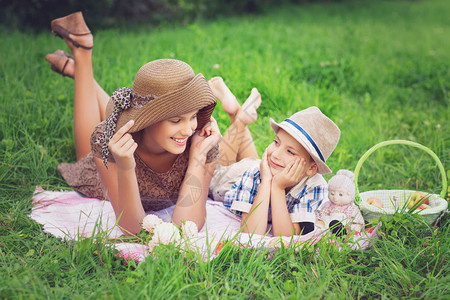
x=302 y=200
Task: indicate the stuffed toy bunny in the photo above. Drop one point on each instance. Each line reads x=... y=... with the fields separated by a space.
x=340 y=213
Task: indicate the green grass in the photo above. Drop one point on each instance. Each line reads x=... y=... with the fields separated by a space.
x=379 y=69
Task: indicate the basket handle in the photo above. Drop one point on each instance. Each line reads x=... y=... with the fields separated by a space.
x=402 y=142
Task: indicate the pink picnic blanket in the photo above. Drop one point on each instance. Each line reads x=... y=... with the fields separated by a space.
x=70 y=216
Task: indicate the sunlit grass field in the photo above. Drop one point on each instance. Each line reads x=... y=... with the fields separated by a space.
x=379 y=69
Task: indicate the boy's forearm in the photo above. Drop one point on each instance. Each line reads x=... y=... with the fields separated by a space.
x=281 y=220
x=255 y=221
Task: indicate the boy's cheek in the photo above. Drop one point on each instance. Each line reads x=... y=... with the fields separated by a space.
x=269 y=153
x=269 y=149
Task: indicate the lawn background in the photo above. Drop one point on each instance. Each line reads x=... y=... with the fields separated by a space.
x=379 y=69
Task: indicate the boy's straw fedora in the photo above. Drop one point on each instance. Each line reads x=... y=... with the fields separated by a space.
x=314 y=131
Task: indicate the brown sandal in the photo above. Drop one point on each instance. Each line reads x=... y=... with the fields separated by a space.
x=71 y=24
x=59 y=60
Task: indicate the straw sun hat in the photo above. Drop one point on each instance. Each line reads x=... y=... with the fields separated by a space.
x=162 y=89
x=314 y=131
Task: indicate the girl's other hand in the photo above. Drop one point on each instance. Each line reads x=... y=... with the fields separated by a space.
x=205 y=139
x=122 y=147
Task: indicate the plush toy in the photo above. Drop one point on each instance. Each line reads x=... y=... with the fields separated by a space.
x=341 y=213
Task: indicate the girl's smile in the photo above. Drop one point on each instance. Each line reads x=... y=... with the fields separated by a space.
x=180 y=142
x=170 y=135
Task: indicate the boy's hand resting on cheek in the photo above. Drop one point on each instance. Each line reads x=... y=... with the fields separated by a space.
x=291 y=174
x=266 y=174
x=122 y=147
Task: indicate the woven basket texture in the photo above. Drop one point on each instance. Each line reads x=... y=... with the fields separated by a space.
x=395 y=200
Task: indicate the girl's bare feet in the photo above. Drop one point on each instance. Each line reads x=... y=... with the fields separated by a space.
x=62 y=63
x=247 y=113
x=225 y=96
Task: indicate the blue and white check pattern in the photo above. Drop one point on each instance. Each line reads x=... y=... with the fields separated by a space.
x=302 y=200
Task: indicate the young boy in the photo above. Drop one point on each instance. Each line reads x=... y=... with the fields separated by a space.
x=286 y=186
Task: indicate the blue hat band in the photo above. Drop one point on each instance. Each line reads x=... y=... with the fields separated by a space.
x=302 y=131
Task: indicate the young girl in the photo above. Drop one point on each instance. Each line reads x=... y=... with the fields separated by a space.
x=154 y=145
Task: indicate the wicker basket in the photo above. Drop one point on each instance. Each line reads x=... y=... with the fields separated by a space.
x=394 y=200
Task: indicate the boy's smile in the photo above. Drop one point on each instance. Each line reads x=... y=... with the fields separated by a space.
x=275 y=165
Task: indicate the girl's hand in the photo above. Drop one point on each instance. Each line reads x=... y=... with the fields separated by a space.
x=205 y=139
x=291 y=175
x=122 y=147
x=265 y=172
